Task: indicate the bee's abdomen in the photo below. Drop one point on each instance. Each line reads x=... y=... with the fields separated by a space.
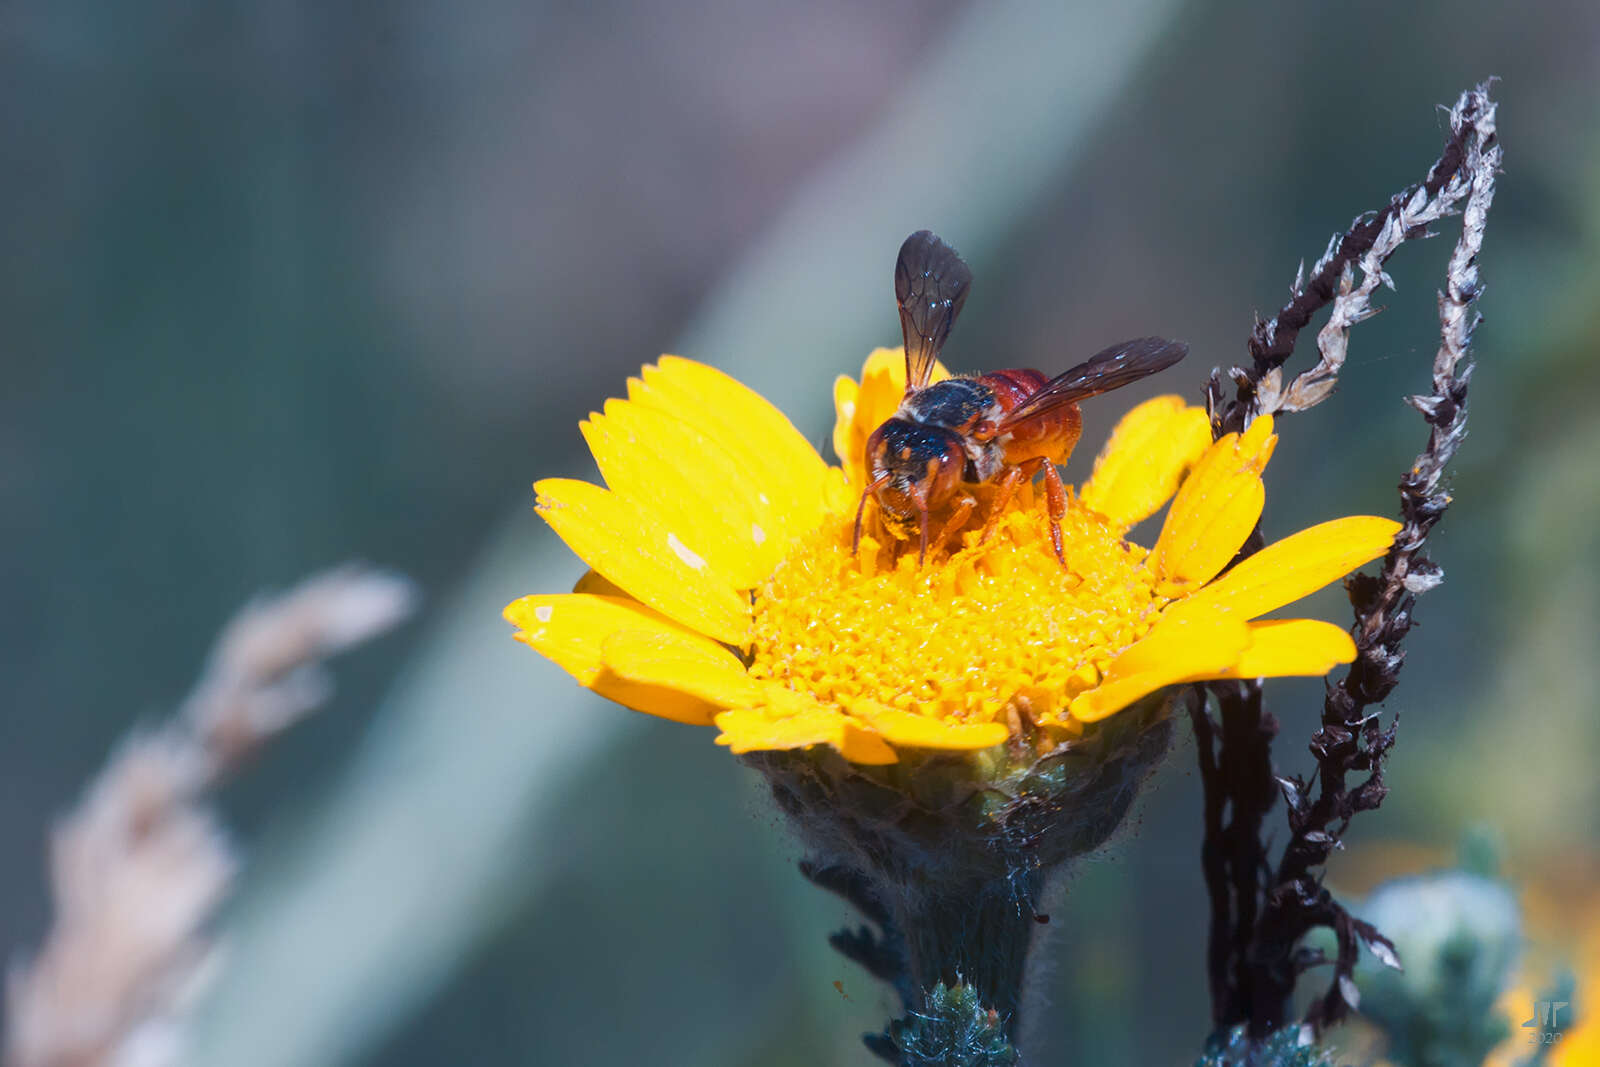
x=1012 y=387
x=1049 y=434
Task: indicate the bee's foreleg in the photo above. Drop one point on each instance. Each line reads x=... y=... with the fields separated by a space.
x=1004 y=491
x=958 y=518
x=861 y=510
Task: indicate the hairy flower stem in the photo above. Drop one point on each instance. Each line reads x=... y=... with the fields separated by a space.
x=948 y=854
x=977 y=934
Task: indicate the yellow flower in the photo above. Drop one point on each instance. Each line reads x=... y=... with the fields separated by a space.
x=1579 y=1046
x=723 y=587
x=1564 y=922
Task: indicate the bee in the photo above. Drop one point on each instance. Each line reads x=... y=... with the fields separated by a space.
x=1000 y=428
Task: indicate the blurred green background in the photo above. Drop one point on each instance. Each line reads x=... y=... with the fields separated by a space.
x=289 y=283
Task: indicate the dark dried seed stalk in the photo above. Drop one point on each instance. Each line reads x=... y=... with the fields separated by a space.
x=1372 y=238
x=1260 y=913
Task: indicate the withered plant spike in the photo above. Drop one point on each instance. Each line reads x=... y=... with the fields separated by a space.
x=139 y=867
x=1369 y=242
x=1259 y=912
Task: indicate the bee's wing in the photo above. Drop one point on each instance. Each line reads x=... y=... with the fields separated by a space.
x=930 y=283
x=1111 y=369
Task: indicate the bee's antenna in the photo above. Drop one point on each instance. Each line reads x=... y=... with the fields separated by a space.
x=861 y=509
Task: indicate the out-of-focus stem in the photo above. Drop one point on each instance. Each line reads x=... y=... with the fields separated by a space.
x=140 y=866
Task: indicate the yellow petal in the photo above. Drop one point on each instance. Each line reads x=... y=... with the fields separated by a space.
x=787 y=470
x=847 y=443
x=837 y=493
x=1141 y=465
x=688 y=663
x=796 y=720
x=1294 y=567
x=1214 y=511
x=858 y=744
x=1285 y=647
x=1174 y=651
x=598 y=584
x=906 y=729
x=644 y=557
x=883 y=386
x=886 y=366
x=1179 y=651
x=664 y=703
x=754 y=730
x=570 y=629
x=668 y=468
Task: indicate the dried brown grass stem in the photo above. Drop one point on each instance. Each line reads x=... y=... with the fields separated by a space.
x=139 y=867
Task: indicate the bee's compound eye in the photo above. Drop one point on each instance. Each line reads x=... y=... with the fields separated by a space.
x=944 y=471
x=877 y=453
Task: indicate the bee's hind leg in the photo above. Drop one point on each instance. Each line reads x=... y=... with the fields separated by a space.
x=1056 y=503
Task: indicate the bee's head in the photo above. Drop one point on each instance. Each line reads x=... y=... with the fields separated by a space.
x=915 y=469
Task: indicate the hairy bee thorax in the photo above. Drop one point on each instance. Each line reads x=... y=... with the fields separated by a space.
x=956 y=404
x=957 y=408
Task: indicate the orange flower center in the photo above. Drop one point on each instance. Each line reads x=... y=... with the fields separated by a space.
x=966 y=636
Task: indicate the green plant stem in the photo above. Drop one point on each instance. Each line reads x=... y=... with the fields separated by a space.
x=977 y=934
